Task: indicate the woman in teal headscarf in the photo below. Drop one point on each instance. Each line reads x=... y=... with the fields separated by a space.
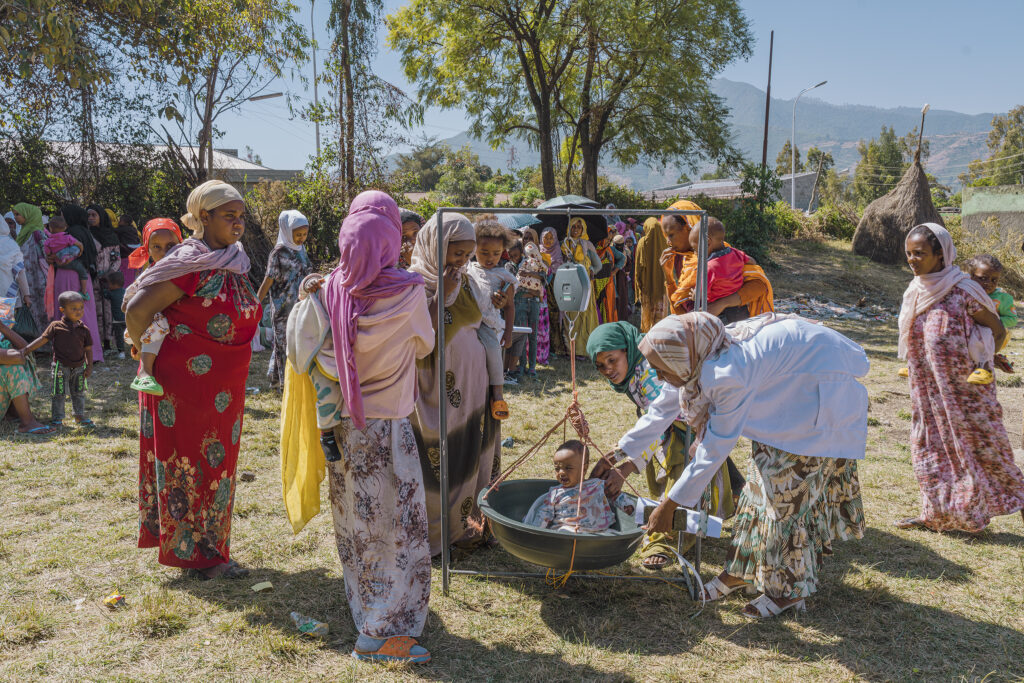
x=30 y=238
x=656 y=443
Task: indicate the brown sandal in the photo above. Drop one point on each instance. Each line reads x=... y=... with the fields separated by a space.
x=499 y=410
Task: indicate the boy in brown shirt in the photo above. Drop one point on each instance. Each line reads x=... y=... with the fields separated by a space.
x=72 y=357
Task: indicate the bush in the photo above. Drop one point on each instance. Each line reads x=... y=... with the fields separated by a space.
x=836 y=220
x=790 y=223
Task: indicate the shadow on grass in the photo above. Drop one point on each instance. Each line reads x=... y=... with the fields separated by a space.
x=321 y=594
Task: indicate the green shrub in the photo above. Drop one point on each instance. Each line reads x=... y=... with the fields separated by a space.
x=836 y=220
x=790 y=223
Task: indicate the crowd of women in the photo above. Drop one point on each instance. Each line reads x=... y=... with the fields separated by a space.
x=354 y=354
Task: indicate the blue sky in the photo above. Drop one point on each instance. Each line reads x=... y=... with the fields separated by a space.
x=953 y=55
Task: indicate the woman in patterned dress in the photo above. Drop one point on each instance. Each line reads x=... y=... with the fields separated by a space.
x=960 y=451
x=474 y=437
x=802 y=491
x=108 y=258
x=287 y=265
x=353 y=348
x=17 y=382
x=189 y=437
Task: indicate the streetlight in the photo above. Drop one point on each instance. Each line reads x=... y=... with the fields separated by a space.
x=792 y=149
x=268 y=96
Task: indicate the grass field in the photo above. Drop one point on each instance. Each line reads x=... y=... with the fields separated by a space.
x=898 y=605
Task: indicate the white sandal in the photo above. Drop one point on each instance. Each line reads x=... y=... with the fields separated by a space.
x=716 y=589
x=766 y=608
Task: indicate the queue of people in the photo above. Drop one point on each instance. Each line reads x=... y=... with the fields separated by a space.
x=354 y=355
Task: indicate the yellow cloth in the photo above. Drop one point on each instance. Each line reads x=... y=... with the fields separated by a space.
x=302 y=460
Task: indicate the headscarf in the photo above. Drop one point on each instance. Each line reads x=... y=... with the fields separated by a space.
x=574 y=248
x=104 y=232
x=140 y=257
x=12 y=262
x=206 y=197
x=681 y=344
x=531 y=231
x=33 y=221
x=288 y=222
x=620 y=336
x=408 y=215
x=78 y=227
x=927 y=290
x=650 y=281
x=457 y=228
x=554 y=252
x=684 y=205
x=369 y=242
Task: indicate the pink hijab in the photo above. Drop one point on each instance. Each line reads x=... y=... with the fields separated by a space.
x=925 y=291
x=370 y=240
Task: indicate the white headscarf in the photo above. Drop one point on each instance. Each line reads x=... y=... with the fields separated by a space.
x=206 y=197
x=924 y=291
x=457 y=228
x=11 y=231
x=288 y=222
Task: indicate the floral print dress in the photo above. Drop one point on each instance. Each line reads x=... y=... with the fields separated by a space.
x=960 y=450
x=287 y=267
x=107 y=259
x=189 y=437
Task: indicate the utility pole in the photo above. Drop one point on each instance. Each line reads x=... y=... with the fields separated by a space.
x=316 y=96
x=792 y=148
x=821 y=160
x=767 y=102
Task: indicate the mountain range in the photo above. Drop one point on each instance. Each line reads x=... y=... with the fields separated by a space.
x=955 y=138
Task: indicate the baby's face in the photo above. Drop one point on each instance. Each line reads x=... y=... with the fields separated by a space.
x=568 y=468
x=986 y=277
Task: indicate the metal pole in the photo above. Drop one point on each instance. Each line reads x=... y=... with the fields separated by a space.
x=792 y=149
x=442 y=412
x=700 y=302
x=767 y=102
x=316 y=97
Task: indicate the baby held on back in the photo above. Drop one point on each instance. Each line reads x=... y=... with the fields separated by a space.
x=570 y=507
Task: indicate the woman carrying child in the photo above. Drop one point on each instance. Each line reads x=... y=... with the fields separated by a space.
x=352 y=351
x=67 y=280
x=577 y=248
x=474 y=437
x=960 y=450
x=543 y=317
x=656 y=444
x=287 y=265
x=190 y=436
x=802 y=490
x=553 y=258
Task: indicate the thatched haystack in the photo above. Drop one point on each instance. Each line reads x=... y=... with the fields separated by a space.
x=884 y=226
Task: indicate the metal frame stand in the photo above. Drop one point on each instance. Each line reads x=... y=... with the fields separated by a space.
x=700 y=304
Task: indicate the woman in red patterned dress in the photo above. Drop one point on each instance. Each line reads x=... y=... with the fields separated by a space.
x=189 y=437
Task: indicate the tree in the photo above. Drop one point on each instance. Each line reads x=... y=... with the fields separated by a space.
x=503 y=63
x=1005 y=163
x=814 y=155
x=462 y=177
x=419 y=169
x=227 y=54
x=723 y=170
x=783 y=162
x=881 y=166
x=649 y=98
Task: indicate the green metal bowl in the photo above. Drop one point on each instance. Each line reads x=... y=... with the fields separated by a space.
x=506 y=506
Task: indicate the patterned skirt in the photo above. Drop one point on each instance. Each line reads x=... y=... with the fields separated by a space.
x=790 y=511
x=380 y=525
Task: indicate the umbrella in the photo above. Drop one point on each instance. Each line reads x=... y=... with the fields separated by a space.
x=517 y=221
x=569 y=200
x=597 y=226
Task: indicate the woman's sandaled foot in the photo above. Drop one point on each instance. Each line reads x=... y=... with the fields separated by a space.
x=225 y=570
x=395 y=649
x=719 y=587
x=764 y=607
x=84 y=422
x=499 y=410
x=38 y=430
x=912 y=523
x=655 y=562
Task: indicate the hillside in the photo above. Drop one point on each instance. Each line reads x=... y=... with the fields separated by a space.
x=955 y=138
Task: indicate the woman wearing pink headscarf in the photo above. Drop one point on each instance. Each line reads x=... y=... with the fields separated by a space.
x=355 y=344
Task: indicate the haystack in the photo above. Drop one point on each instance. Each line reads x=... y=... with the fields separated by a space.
x=884 y=226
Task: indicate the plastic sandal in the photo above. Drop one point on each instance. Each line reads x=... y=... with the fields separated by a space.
x=767 y=608
x=147 y=385
x=716 y=589
x=85 y=422
x=655 y=566
x=499 y=410
x=395 y=649
x=980 y=376
x=42 y=430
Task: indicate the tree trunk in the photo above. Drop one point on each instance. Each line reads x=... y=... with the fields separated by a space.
x=349 y=117
x=544 y=143
x=205 y=156
x=589 y=149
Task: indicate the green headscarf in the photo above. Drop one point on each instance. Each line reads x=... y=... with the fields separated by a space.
x=620 y=336
x=33 y=221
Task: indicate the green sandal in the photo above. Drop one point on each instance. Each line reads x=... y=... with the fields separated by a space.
x=147 y=385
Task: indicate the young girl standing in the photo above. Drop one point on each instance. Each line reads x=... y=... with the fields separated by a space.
x=287 y=265
x=959 y=448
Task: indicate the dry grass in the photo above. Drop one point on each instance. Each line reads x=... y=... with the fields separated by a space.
x=898 y=605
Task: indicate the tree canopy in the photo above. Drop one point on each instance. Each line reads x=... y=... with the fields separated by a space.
x=1005 y=163
x=784 y=162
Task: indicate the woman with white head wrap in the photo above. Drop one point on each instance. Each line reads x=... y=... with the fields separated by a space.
x=790 y=386
x=287 y=265
x=191 y=435
x=474 y=437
